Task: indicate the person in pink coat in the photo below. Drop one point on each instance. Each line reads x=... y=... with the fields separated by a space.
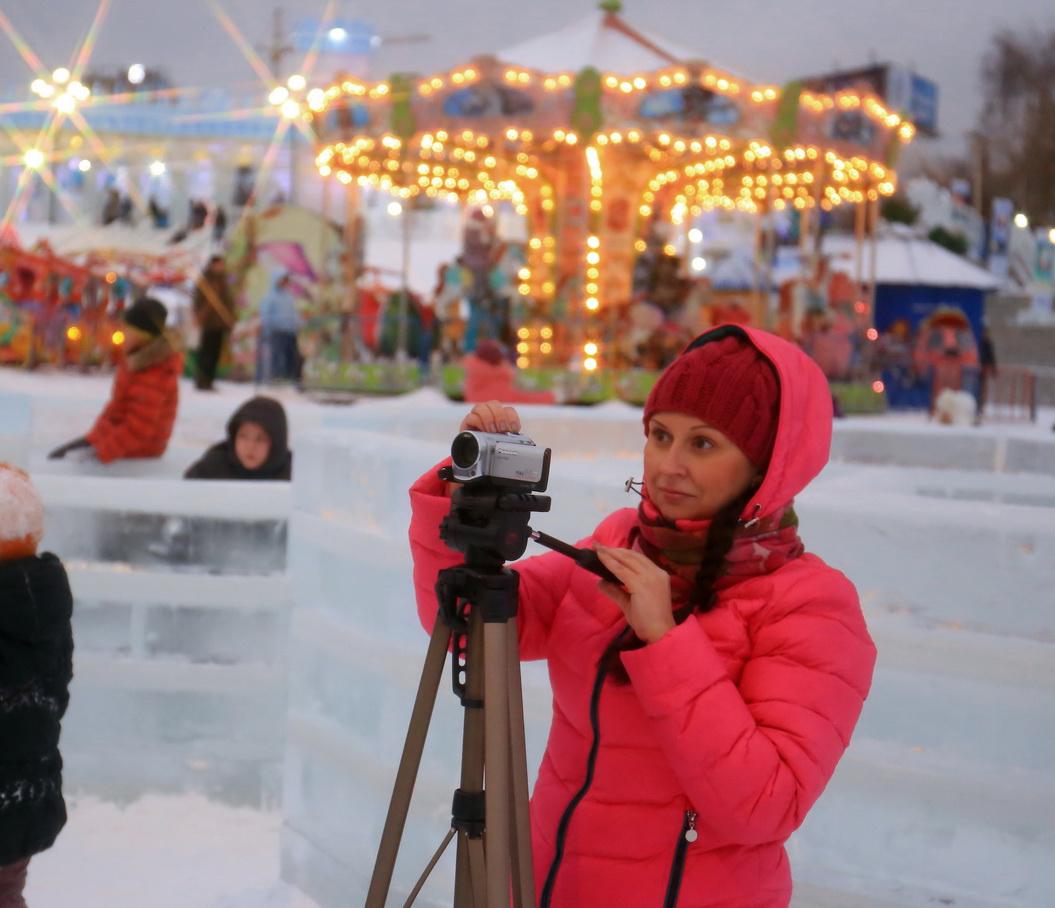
x=700 y=708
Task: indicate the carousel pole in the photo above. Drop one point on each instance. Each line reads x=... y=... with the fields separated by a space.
x=873 y=256
x=404 y=287
x=859 y=241
x=351 y=270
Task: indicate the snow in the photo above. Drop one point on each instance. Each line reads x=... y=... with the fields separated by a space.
x=163 y=852
x=902 y=257
x=245 y=704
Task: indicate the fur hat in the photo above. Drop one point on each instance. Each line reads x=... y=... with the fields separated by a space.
x=21 y=514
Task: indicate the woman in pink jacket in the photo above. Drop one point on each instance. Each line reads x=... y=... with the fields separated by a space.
x=699 y=709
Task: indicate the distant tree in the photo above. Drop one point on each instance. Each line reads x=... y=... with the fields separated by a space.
x=950 y=239
x=1016 y=134
x=899 y=210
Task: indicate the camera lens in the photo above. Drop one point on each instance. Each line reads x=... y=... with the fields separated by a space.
x=465 y=450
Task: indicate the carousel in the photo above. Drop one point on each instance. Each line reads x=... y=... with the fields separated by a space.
x=605 y=139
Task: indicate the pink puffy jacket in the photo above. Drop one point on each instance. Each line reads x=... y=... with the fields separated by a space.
x=732 y=723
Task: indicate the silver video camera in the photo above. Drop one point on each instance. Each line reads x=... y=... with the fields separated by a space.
x=507 y=459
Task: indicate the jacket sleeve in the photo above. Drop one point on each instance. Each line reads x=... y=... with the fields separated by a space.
x=134 y=419
x=543 y=578
x=753 y=758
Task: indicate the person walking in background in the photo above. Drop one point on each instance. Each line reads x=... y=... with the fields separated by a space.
x=214 y=312
x=278 y=356
x=138 y=419
x=256 y=447
x=36 y=665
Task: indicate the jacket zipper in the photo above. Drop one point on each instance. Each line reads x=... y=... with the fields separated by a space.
x=686 y=837
x=591 y=762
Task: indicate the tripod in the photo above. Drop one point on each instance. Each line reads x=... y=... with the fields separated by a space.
x=477 y=622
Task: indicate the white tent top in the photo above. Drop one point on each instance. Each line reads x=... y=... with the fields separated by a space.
x=601 y=40
x=902 y=257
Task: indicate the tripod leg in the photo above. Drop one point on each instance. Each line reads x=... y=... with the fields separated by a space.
x=431 y=673
x=523 y=872
x=478 y=872
x=428 y=868
x=472 y=771
x=496 y=763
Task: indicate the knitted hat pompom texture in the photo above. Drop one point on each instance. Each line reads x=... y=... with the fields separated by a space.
x=21 y=514
x=728 y=384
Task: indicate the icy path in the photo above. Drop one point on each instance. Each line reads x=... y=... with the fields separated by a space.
x=189 y=852
x=163 y=852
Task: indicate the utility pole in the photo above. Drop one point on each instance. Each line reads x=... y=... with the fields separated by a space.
x=277 y=51
x=279 y=48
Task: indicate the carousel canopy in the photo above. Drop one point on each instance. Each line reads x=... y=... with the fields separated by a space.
x=603 y=41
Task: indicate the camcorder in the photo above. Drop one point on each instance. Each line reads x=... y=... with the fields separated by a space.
x=500 y=474
x=502 y=459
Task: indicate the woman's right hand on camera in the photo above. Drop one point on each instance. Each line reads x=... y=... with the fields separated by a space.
x=493 y=416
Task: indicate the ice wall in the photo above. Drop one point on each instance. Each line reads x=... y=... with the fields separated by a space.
x=946 y=791
x=181 y=613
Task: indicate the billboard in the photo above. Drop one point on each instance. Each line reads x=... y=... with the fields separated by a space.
x=902 y=90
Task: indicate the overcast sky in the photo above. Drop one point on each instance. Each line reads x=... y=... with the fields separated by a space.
x=764 y=40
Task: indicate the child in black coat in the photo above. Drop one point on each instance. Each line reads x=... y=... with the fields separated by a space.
x=36 y=665
x=256 y=447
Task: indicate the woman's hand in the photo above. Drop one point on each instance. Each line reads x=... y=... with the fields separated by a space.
x=645 y=599
x=492 y=416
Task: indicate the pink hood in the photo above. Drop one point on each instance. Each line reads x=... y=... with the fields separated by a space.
x=804 y=430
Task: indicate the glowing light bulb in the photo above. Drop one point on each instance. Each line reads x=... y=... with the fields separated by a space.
x=73 y=333
x=590 y=348
x=65 y=103
x=699 y=264
x=395 y=209
x=1021 y=221
x=291 y=109
x=337 y=35
x=157 y=168
x=278 y=95
x=85 y=165
x=118 y=337
x=695 y=235
x=137 y=73
x=33 y=159
x=61 y=76
x=589 y=364
x=297 y=82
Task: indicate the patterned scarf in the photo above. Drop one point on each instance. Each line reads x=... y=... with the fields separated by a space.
x=677 y=546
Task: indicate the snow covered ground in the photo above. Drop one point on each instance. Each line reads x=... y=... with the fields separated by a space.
x=163 y=852
x=179 y=728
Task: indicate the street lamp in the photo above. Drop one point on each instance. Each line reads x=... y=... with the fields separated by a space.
x=62 y=90
x=33 y=159
x=292 y=101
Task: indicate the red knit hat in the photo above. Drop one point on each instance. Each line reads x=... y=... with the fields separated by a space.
x=729 y=384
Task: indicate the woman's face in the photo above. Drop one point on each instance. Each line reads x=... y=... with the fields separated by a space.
x=692 y=470
x=252 y=445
